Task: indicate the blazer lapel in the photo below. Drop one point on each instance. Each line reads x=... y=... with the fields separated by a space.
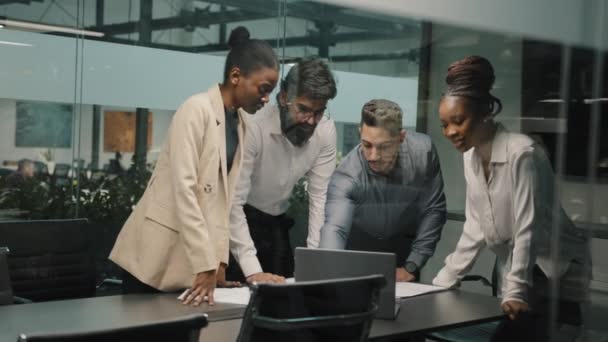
x=220 y=116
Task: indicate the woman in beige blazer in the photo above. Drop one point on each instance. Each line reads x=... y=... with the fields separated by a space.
x=177 y=235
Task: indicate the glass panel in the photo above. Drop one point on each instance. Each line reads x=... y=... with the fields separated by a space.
x=39 y=115
x=552 y=83
x=80 y=105
x=146 y=65
x=33 y=15
x=98 y=89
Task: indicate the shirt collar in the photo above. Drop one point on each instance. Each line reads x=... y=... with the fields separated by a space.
x=274 y=123
x=499 y=145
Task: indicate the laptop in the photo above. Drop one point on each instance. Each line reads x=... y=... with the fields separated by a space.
x=321 y=264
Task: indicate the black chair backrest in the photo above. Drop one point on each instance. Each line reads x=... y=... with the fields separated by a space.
x=330 y=310
x=5 y=172
x=40 y=168
x=61 y=170
x=182 y=329
x=49 y=259
x=6 y=292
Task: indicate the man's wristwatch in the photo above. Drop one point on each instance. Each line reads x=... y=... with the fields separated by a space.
x=411 y=267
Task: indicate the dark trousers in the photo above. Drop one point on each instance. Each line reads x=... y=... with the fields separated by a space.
x=270 y=235
x=132 y=285
x=534 y=325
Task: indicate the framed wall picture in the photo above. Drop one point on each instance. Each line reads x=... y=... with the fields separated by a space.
x=119 y=131
x=43 y=124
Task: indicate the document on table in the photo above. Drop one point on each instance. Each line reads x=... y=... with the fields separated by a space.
x=404 y=289
x=240 y=295
x=236 y=295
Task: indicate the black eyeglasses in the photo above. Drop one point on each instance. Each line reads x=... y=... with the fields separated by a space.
x=306 y=113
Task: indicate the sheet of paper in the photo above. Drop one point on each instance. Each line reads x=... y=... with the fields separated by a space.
x=403 y=290
x=237 y=295
x=240 y=295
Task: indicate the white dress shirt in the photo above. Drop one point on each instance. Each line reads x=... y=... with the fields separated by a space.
x=271 y=167
x=514 y=214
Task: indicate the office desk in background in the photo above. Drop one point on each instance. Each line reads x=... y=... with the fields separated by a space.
x=426 y=313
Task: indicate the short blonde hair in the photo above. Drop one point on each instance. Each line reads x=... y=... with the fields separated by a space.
x=383 y=113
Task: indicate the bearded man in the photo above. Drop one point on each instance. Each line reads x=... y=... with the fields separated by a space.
x=284 y=142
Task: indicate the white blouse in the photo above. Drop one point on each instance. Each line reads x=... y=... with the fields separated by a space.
x=514 y=213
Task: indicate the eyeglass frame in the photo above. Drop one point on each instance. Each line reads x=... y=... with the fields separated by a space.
x=308 y=112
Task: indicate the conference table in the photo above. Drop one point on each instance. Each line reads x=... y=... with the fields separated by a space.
x=420 y=314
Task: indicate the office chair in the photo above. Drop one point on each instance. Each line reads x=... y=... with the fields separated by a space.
x=182 y=329
x=5 y=172
x=40 y=169
x=329 y=310
x=6 y=292
x=49 y=260
x=478 y=332
x=62 y=170
x=569 y=326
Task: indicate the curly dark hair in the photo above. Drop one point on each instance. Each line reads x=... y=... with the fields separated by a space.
x=473 y=77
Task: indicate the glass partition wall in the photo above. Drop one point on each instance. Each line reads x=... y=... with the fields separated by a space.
x=90 y=88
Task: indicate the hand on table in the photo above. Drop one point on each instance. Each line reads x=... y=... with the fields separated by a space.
x=403 y=275
x=513 y=308
x=262 y=277
x=202 y=289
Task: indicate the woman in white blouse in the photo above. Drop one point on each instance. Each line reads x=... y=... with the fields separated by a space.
x=510 y=203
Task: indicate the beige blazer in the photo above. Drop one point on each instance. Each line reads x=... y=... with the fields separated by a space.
x=180 y=225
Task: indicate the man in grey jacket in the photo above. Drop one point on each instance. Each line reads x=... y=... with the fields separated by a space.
x=387 y=193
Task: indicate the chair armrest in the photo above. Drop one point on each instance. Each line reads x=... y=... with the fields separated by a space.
x=110 y=282
x=21 y=300
x=285 y=324
x=474 y=277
